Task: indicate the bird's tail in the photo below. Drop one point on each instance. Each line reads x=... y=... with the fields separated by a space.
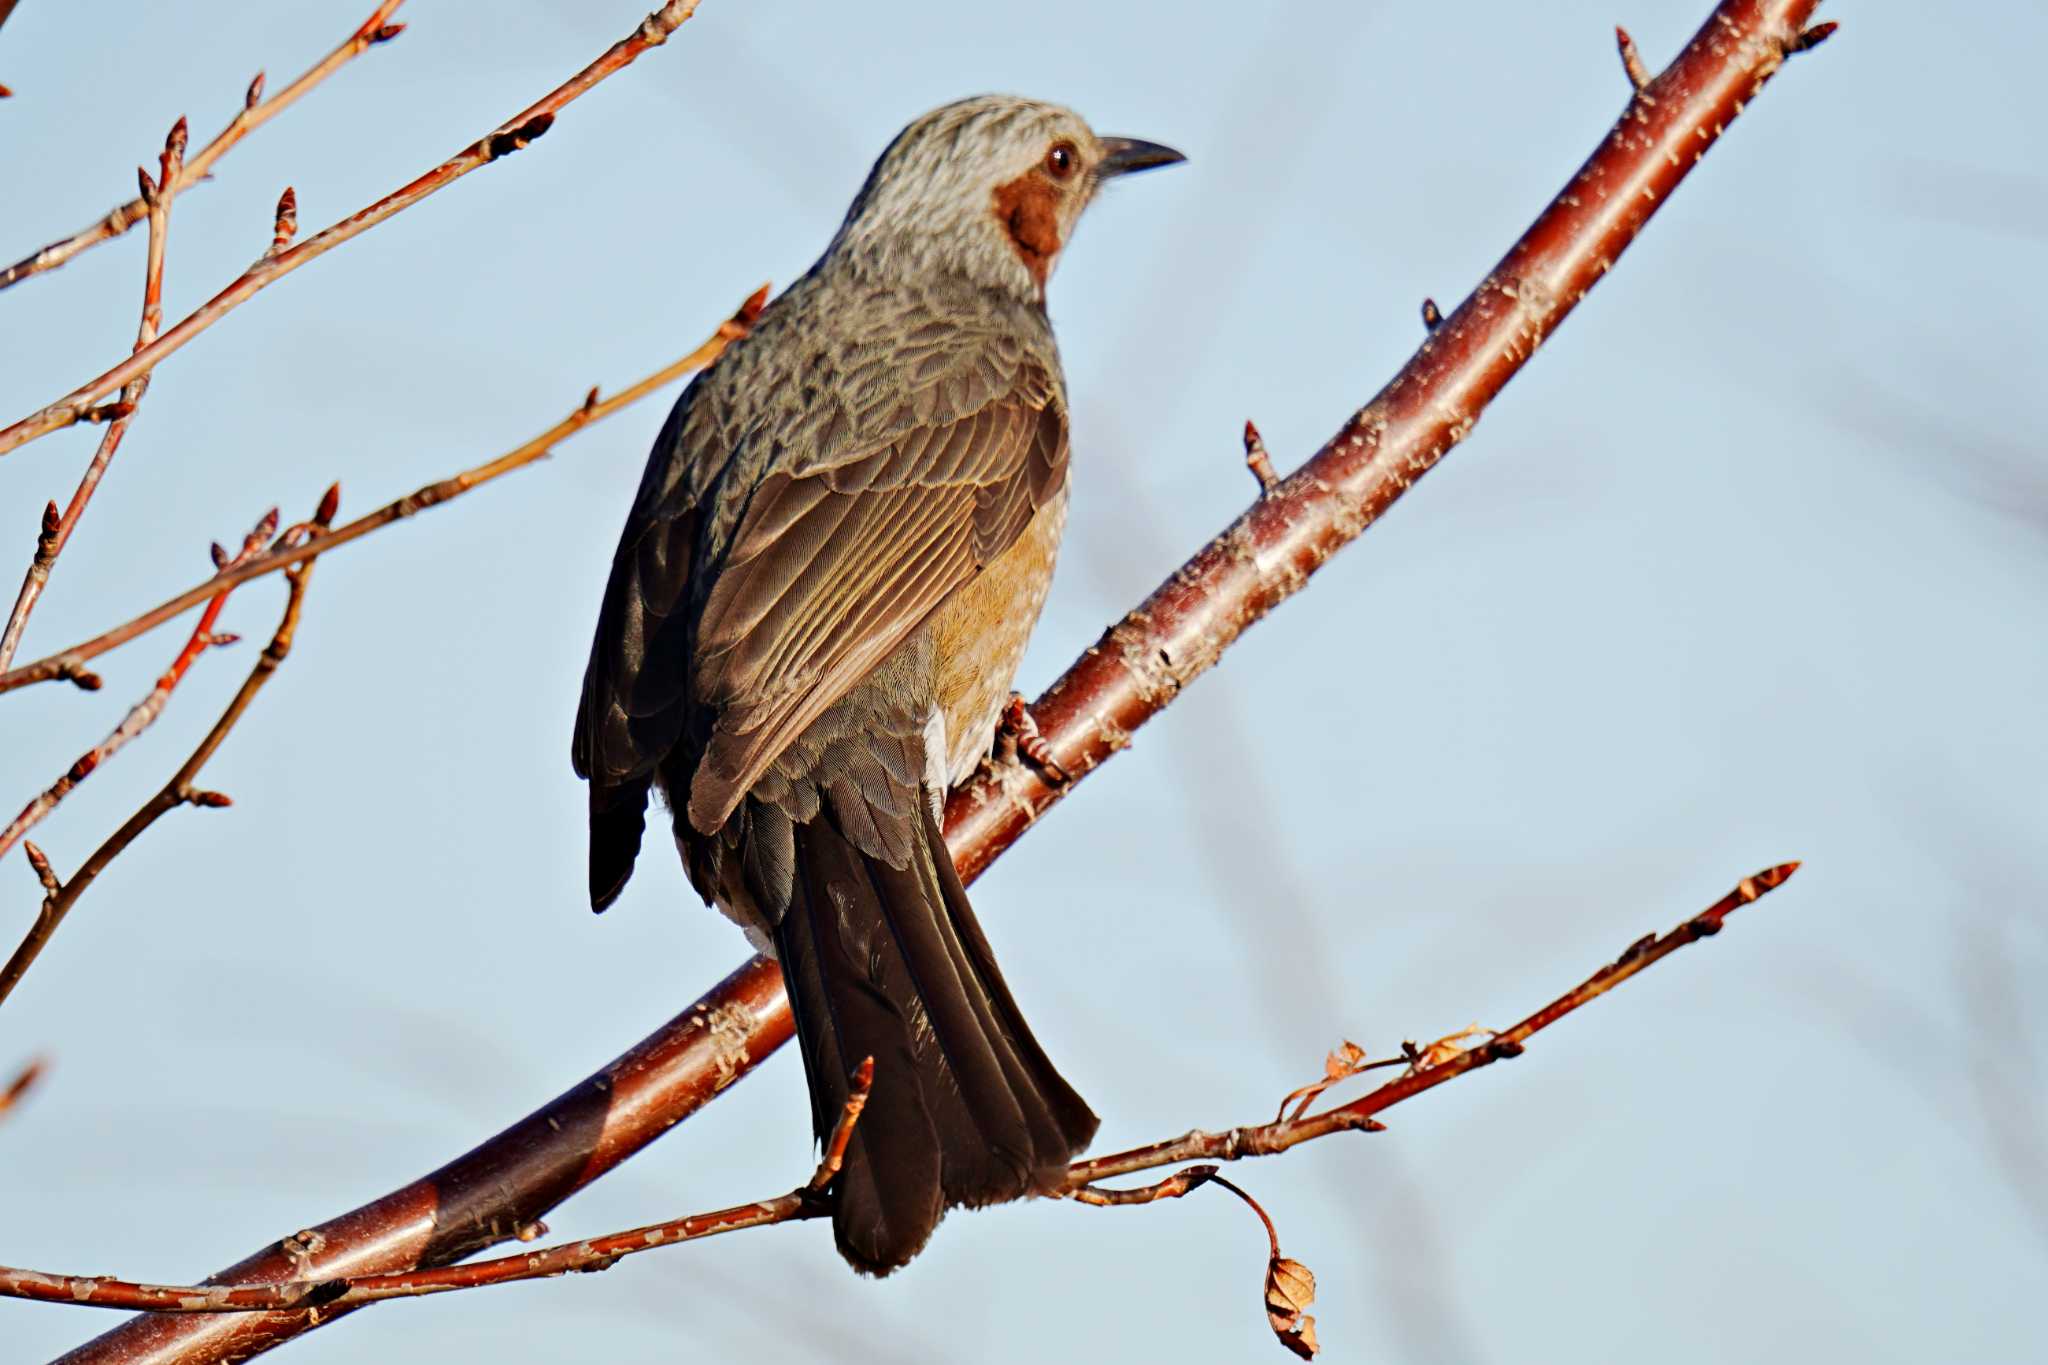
x=889 y=963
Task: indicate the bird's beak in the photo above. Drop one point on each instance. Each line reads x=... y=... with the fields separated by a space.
x=1123 y=155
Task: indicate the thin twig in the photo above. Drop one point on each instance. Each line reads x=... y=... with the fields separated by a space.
x=518 y=131
x=144 y=713
x=1267 y=1139
x=254 y=113
x=834 y=1155
x=55 y=533
x=1173 y=1187
x=601 y=1253
x=71 y=662
x=179 y=791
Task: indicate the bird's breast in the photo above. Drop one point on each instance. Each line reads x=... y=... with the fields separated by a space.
x=980 y=633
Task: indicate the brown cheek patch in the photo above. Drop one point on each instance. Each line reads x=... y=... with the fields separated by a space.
x=1028 y=209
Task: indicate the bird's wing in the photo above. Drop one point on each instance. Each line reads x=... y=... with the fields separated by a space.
x=836 y=560
x=635 y=702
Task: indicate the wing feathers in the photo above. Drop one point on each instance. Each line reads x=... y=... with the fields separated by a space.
x=832 y=567
x=801 y=515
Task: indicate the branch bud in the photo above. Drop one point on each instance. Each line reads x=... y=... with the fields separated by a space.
x=40 y=862
x=1258 y=460
x=509 y=140
x=287 y=223
x=1812 y=38
x=330 y=503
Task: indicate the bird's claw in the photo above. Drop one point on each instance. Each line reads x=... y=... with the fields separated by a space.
x=1019 y=729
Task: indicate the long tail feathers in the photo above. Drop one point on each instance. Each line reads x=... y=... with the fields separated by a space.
x=966 y=1109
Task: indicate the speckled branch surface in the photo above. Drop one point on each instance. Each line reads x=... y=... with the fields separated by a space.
x=1265 y=556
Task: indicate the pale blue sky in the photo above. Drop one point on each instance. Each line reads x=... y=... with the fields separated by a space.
x=1748 y=565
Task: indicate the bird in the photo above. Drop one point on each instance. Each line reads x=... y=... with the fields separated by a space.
x=840 y=545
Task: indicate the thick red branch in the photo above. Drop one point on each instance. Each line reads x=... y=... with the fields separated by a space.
x=1137 y=669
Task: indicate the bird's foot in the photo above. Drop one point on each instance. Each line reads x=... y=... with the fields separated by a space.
x=1017 y=733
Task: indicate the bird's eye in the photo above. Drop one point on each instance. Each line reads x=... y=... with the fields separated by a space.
x=1061 y=160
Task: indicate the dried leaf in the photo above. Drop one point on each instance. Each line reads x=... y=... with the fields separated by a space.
x=1444 y=1048
x=1343 y=1061
x=1342 y=1064
x=1290 y=1289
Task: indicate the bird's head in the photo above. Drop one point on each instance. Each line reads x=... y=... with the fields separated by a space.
x=989 y=188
